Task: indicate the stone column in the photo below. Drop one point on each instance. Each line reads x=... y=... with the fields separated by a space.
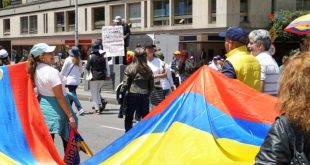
x=200 y=13
x=171 y=12
x=143 y=14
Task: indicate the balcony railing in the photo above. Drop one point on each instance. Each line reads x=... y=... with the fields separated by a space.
x=60 y=28
x=16 y=2
x=71 y=27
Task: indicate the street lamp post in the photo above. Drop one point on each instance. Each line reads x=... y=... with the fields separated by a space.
x=76 y=24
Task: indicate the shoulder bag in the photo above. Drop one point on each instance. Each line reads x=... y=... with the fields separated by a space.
x=296 y=143
x=89 y=75
x=70 y=71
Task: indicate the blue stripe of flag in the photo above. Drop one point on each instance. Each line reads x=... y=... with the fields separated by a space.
x=13 y=142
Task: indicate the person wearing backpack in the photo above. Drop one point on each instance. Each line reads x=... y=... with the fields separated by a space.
x=97 y=65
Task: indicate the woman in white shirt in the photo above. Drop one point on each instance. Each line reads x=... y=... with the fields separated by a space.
x=71 y=70
x=54 y=104
x=158 y=70
x=166 y=82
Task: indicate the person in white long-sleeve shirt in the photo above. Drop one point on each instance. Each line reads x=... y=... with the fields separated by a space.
x=106 y=63
x=214 y=63
x=165 y=82
x=71 y=71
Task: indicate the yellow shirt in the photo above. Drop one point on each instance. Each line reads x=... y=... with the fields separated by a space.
x=246 y=66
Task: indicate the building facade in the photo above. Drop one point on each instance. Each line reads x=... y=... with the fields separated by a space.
x=196 y=23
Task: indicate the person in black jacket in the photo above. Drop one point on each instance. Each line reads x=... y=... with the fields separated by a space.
x=288 y=141
x=126 y=32
x=138 y=82
x=96 y=64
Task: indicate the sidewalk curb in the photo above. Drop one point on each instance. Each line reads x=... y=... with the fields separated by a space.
x=108 y=99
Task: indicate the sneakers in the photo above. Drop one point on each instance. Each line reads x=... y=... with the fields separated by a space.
x=102 y=107
x=103 y=103
x=81 y=112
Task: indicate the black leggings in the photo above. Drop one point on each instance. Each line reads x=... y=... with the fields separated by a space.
x=64 y=142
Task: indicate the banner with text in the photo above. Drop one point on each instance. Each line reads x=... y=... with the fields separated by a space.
x=112 y=41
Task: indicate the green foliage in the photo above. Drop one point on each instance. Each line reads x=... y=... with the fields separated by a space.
x=6 y=3
x=280 y=20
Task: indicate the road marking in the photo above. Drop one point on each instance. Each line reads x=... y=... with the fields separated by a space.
x=112 y=128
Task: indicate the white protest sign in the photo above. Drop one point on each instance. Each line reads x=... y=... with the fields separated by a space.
x=113 y=41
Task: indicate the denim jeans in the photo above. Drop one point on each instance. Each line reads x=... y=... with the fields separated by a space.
x=74 y=98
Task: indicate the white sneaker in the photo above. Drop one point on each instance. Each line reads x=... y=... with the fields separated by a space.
x=81 y=112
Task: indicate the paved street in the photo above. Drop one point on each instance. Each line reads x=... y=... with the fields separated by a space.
x=97 y=130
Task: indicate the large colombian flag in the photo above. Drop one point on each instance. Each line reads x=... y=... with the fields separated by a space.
x=209 y=119
x=24 y=137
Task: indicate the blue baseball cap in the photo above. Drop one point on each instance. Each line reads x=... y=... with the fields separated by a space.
x=96 y=46
x=39 y=49
x=74 y=51
x=234 y=33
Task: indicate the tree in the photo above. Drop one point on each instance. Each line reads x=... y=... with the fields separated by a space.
x=5 y=3
x=279 y=20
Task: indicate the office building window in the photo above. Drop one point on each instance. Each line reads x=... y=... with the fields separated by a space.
x=16 y=2
x=244 y=11
x=45 y=23
x=213 y=11
x=85 y=15
x=161 y=12
x=135 y=14
x=24 y=25
x=183 y=11
x=33 y=24
x=6 y=26
x=59 y=22
x=118 y=10
x=302 y=4
x=71 y=20
x=99 y=17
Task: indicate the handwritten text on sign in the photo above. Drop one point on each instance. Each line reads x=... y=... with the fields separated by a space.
x=113 y=41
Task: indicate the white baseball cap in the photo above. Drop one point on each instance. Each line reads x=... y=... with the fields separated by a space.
x=39 y=49
x=3 y=53
x=117 y=19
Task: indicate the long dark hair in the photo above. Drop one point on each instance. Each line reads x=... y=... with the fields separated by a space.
x=32 y=65
x=139 y=61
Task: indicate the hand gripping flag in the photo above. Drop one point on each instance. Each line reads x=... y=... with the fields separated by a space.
x=24 y=137
x=75 y=144
x=209 y=119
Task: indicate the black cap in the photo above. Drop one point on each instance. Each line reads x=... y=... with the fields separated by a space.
x=149 y=45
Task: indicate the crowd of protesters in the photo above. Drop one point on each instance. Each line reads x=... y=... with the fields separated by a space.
x=148 y=80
